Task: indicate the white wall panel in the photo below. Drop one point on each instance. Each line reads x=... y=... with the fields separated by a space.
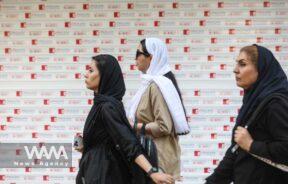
x=45 y=47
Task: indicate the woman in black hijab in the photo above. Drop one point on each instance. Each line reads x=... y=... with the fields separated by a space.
x=110 y=147
x=261 y=76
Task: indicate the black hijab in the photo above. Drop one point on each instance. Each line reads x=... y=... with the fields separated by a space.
x=111 y=89
x=271 y=79
x=111 y=78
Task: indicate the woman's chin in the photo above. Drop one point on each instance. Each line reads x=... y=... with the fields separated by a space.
x=239 y=84
x=87 y=86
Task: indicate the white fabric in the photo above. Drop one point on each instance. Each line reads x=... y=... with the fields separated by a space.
x=158 y=67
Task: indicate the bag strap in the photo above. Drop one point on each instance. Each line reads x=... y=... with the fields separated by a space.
x=135 y=125
x=143 y=129
x=282 y=167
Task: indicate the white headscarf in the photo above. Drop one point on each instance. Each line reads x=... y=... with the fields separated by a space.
x=158 y=67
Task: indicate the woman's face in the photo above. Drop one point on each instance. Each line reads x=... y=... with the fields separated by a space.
x=92 y=77
x=246 y=73
x=142 y=61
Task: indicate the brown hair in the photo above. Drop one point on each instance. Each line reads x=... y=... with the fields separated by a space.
x=252 y=53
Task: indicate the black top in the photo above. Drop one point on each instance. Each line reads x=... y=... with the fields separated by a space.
x=270 y=134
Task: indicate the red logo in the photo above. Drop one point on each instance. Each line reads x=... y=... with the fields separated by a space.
x=85 y=6
x=220 y=4
x=140 y=32
x=210 y=58
x=6 y=33
x=62 y=93
x=95 y=32
x=206 y=13
x=156 y=23
x=177 y=66
x=33 y=76
x=51 y=33
x=34 y=42
x=27 y=15
x=23 y=24
x=41 y=6
x=266 y=4
x=197 y=93
x=252 y=13
x=130 y=5
x=186 y=49
x=75 y=58
x=175 y=5
x=112 y=24
x=202 y=22
x=186 y=32
x=18 y=93
x=31 y=58
x=77 y=75
x=161 y=14
x=72 y=15
x=67 y=24
x=116 y=14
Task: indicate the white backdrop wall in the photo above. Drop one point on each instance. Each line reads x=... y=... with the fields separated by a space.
x=45 y=47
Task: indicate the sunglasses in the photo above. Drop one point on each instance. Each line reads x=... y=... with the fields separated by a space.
x=138 y=53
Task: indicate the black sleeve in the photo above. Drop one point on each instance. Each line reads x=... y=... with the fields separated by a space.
x=224 y=171
x=122 y=135
x=277 y=125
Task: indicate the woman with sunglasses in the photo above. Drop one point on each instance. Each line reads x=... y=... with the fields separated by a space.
x=158 y=105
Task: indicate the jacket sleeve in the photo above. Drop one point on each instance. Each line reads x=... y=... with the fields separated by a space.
x=223 y=174
x=277 y=126
x=122 y=135
x=163 y=123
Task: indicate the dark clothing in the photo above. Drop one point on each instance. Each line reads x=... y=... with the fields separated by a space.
x=110 y=145
x=269 y=132
x=103 y=162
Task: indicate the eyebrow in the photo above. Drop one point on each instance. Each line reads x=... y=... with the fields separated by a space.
x=240 y=60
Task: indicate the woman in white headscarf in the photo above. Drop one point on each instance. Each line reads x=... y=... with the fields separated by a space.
x=158 y=104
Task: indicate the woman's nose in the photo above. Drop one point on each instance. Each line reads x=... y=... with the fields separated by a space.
x=235 y=70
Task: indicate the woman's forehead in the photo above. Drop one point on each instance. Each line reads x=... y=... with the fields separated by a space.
x=241 y=56
x=93 y=64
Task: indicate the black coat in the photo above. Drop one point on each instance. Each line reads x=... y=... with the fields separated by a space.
x=110 y=151
x=270 y=135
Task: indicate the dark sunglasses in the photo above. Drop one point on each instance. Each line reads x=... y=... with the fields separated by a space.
x=138 y=53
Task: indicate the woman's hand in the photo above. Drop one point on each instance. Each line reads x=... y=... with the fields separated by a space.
x=78 y=143
x=243 y=138
x=161 y=178
x=79 y=149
